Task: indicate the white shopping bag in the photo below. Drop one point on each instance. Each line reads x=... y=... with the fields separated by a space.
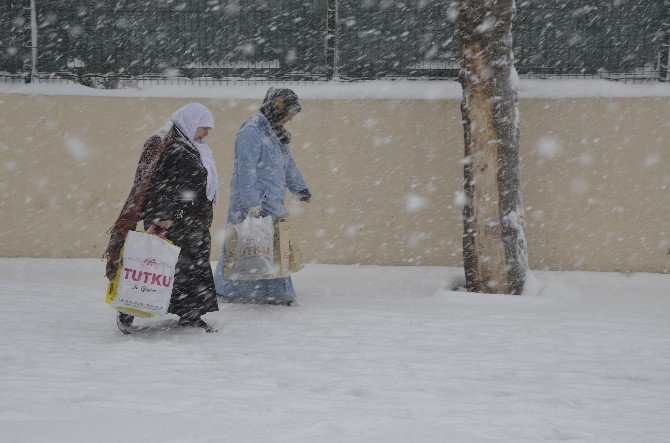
x=255 y=252
x=146 y=278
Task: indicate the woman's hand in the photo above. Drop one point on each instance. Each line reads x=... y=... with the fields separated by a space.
x=255 y=212
x=305 y=195
x=165 y=224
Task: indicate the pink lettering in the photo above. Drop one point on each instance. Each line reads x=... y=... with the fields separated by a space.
x=155 y=279
x=166 y=281
x=137 y=275
x=146 y=276
x=127 y=272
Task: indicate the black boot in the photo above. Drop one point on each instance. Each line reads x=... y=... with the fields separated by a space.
x=124 y=322
x=196 y=322
x=280 y=303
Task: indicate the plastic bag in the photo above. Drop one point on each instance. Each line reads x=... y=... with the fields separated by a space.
x=255 y=249
x=143 y=283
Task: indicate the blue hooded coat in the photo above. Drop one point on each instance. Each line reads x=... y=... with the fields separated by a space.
x=263 y=170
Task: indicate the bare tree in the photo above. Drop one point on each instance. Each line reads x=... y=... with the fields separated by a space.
x=494 y=243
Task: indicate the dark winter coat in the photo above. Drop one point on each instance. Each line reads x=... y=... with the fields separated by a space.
x=178 y=192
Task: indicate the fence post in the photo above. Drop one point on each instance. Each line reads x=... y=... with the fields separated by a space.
x=333 y=38
x=33 y=41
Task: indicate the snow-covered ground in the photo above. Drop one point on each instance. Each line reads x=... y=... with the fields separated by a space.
x=333 y=90
x=369 y=354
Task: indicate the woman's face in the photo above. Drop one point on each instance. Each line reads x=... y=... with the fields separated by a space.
x=287 y=119
x=201 y=133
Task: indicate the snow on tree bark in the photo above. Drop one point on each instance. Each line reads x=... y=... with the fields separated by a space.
x=494 y=243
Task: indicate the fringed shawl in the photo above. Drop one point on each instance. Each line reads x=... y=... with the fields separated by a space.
x=132 y=208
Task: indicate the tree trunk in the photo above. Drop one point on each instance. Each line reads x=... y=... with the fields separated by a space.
x=494 y=243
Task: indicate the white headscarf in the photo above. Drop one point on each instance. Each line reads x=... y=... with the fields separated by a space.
x=189 y=118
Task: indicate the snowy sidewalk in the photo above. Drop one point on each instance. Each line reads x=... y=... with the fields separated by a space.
x=369 y=354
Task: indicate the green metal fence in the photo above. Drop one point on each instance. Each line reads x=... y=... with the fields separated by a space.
x=320 y=39
x=592 y=37
x=12 y=36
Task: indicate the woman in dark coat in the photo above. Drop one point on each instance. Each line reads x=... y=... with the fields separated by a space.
x=177 y=193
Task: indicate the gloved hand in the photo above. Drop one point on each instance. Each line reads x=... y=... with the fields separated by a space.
x=305 y=195
x=257 y=211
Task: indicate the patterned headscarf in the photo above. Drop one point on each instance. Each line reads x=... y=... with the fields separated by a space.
x=277 y=105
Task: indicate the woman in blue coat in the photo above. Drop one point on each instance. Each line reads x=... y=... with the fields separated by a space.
x=263 y=170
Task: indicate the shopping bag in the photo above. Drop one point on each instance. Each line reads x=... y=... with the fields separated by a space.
x=255 y=249
x=287 y=255
x=143 y=283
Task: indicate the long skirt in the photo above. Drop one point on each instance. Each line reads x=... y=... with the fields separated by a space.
x=276 y=290
x=193 y=293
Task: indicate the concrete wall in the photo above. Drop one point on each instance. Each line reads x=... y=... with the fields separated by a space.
x=385 y=175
